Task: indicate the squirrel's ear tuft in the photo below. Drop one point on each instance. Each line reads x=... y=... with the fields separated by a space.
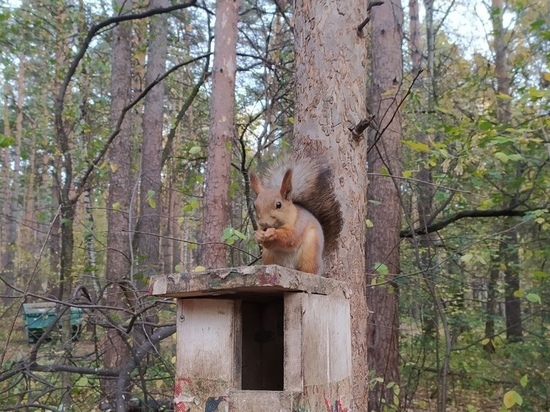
x=255 y=183
x=286 y=185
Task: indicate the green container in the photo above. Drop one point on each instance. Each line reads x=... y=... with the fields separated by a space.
x=39 y=316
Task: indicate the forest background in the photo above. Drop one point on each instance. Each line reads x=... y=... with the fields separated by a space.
x=104 y=140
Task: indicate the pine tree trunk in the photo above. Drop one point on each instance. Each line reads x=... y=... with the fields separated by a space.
x=120 y=187
x=151 y=157
x=222 y=129
x=330 y=102
x=384 y=207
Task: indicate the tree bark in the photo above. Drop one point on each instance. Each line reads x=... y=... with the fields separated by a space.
x=151 y=157
x=120 y=187
x=384 y=207
x=509 y=253
x=216 y=196
x=330 y=101
x=12 y=166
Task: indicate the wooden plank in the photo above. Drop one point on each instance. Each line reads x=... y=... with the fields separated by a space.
x=293 y=363
x=261 y=401
x=326 y=338
x=206 y=347
x=242 y=280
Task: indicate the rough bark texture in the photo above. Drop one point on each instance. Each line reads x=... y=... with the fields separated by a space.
x=216 y=196
x=383 y=238
x=12 y=166
x=330 y=101
x=118 y=197
x=414 y=33
x=151 y=156
x=509 y=253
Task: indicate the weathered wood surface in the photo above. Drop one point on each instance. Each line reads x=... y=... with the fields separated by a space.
x=245 y=279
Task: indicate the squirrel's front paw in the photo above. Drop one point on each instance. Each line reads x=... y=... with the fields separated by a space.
x=269 y=233
x=259 y=236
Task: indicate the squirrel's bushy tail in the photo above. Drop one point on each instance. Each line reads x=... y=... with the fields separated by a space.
x=312 y=189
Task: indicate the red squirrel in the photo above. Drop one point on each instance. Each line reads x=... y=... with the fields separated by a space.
x=299 y=217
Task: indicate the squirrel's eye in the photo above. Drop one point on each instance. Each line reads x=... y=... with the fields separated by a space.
x=278 y=205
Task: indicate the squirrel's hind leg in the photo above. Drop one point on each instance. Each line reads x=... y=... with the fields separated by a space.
x=311 y=259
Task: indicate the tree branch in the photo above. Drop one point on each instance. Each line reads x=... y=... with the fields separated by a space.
x=462 y=215
x=99 y=157
x=61 y=134
x=369 y=8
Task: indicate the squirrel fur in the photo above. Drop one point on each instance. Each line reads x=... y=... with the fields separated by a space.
x=299 y=217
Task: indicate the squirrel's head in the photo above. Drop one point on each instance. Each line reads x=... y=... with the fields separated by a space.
x=274 y=207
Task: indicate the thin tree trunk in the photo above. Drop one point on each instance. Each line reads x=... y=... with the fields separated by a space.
x=383 y=238
x=216 y=196
x=509 y=253
x=330 y=102
x=11 y=181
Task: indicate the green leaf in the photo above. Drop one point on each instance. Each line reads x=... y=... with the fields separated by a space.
x=227 y=233
x=533 y=297
x=535 y=94
x=192 y=205
x=240 y=234
x=381 y=268
x=199 y=269
x=195 y=150
x=511 y=398
x=6 y=141
x=537 y=274
x=485 y=125
x=152 y=203
x=82 y=381
x=369 y=223
x=503 y=157
x=523 y=381
x=117 y=206
x=384 y=171
x=417 y=146
x=503 y=96
x=515 y=157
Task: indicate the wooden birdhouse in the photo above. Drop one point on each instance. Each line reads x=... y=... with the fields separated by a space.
x=260 y=339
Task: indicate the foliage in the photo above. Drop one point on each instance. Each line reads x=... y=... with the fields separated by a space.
x=488 y=180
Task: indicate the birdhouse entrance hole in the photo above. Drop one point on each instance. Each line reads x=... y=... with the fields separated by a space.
x=262 y=344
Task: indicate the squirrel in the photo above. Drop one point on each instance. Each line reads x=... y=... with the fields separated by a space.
x=299 y=217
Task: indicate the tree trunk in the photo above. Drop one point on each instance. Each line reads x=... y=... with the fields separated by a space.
x=491 y=309
x=10 y=174
x=509 y=253
x=330 y=102
x=151 y=156
x=384 y=207
x=216 y=196
x=120 y=187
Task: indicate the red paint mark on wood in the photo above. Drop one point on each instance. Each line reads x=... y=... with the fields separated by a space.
x=179 y=385
x=180 y=407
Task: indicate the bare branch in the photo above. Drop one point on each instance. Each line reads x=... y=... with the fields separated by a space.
x=369 y=8
x=463 y=215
